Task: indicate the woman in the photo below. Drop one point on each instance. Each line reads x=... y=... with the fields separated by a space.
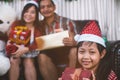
x=26 y=48
x=92 y=57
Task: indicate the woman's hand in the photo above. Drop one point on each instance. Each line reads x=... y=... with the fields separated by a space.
x=20 y=51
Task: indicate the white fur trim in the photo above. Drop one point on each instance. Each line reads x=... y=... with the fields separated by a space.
x=90 y=37
x=77 y=37
x=32 y=2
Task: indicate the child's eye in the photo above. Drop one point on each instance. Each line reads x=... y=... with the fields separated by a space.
x=81 y=52
x=92 y=52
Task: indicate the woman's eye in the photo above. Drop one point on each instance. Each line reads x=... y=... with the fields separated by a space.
x=32 y=12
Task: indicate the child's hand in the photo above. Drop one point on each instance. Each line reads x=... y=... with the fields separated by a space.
x=85 y=79
x=59 y=78
x=86 y=75
x=93 y=75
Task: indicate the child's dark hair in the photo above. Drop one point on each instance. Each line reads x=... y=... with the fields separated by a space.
x=104 y=67
x=100 y=47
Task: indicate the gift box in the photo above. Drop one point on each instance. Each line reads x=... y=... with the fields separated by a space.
x=51 y=41
x=24 y=37
x=20 y=35
x=85 y=74
x=67 y=72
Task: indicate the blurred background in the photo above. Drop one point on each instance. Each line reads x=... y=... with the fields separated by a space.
x=105 y=11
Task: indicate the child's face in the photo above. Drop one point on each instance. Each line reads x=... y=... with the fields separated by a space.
x=89 y=56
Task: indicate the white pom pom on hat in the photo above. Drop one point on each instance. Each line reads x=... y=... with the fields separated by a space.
x=91 y=32
x=32 y=2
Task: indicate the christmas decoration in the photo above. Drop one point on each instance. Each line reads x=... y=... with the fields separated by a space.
x=20 y=35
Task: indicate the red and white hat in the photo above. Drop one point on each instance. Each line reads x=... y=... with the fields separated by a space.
x=91 y=32
x=32 y=2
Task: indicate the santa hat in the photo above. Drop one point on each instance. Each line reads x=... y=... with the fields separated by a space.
x=91 y=32
x=32 y=2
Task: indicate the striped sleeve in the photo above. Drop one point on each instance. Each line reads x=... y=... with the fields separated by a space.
x=112 y=76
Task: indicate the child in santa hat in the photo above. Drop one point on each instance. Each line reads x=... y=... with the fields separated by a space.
x=92 y=56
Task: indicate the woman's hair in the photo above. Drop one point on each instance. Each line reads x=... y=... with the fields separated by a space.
x=26 y=7
x=104 y=67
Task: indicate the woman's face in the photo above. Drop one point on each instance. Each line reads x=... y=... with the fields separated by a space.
x=47 y=8
x=89 y=56
x=30 y=15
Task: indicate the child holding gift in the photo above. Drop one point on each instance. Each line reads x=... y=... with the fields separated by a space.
x=92 y=57
x=22 y=42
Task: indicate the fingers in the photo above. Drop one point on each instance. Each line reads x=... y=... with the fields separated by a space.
x=19 y=52
x=85 y=79
x=17 y=55
x=59 y=78
x=93 y=76
x=68 y=41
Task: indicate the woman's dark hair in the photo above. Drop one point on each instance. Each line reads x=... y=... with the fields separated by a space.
x=26 y=7
x=104 y=67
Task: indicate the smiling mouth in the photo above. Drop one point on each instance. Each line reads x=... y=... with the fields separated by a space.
x=47 y=12
x=85 y=62
x=27 y=18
